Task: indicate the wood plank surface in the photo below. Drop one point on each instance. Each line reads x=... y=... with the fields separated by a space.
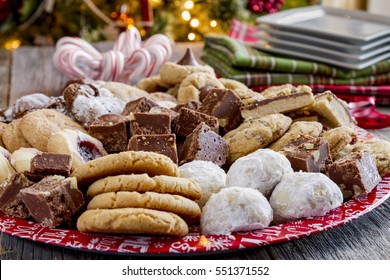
x=5 y=64
x=32 y=71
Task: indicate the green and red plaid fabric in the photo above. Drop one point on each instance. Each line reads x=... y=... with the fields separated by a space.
x=236 y=60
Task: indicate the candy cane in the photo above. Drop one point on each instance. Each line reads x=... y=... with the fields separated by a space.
x=129 y=61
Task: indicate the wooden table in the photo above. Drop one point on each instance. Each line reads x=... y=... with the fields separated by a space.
x=30 y=69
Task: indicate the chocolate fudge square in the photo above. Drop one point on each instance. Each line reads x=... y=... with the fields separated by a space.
x=53 y=201
x=307 y=153
x=204 y=144
x=112 y=130
x=355 y=174
x=225 y=105
x=10 y=200
x=147 y=123
x=189 y=119
x=142 y=104
x=159 y=143
x=191 y=104
x=162 y=110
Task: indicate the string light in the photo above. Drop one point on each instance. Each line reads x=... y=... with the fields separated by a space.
x=213 y=23
x=186 y=15
x=194 y=22
x=189 y=5
x=13 y=44
x=191 y=36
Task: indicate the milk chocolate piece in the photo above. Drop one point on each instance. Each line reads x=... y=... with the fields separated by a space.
x=189 y=119
x=204 y=144
x=355 y=174
x=225 y=105
x=10 y=200
x=142 y=104
x=191 y=104
x=162 y=110
x=159 y=143
x=112 y=130
x=147 y=123
x=307 y=153
x=188 y=59
x=53 y=200
x=51 y=164
x=204 y=91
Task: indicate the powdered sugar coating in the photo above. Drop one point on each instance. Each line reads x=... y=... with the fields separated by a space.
x=87 y=108
x=302 y=195
x=235 y=209
x=261 y=170
x=210 y=177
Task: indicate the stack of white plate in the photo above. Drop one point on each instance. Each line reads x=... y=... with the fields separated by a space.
x=344 y=38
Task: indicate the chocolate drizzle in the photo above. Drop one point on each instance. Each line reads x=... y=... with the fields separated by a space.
x=188 y=59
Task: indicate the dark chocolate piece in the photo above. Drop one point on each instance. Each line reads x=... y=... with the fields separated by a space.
x=225 y=105
x=142 y=105
x=51 y=164
x=53 y=200
x=159 y=143
x=189 y=119
x=204 y=144
x=307 y=153
x=10 y=200
x=112 y=130
x=147 y=123
x=188 y=59
x=355 y=174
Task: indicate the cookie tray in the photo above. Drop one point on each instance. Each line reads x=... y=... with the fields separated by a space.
x=195 y=242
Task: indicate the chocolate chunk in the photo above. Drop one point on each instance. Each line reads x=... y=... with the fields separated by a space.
x=204 y=144
x=189 y=119
x=204 y=91
x=307 y=153
x=142 y=105
x=192 y=104
x=159 y=143
x=10 y=200
x=147 y=123
x=225 y=105
x=162 y=110
x=355 y=174
x=112 y=130
x=51 y=164
x=188 y=59
x=53 y=200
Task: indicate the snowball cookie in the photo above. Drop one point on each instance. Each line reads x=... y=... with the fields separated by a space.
x=302 y=195
x=261 y=170
x=210 y=177
x=235 y=209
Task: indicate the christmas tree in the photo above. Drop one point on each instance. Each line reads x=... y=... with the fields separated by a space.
x=43 y=22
